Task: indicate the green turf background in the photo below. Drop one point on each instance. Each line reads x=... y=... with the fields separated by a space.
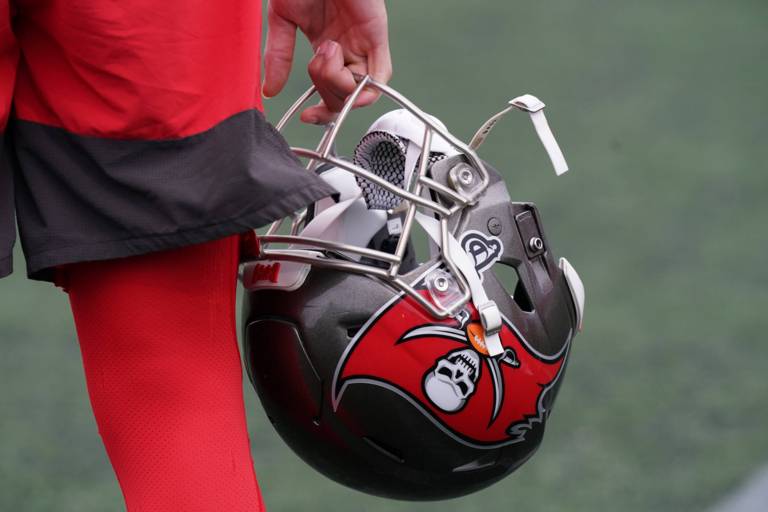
x=660 y=107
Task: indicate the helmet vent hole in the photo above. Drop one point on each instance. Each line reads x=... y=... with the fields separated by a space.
x=522 y=298
x=384 y=450
x=510 y=278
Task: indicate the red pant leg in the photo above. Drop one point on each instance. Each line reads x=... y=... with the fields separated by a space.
x=159 y=347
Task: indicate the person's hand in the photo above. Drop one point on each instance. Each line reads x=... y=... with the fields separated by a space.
x=349 y=37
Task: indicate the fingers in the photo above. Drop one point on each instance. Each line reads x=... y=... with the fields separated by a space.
x=334 y=82
x=380 y=63
x=318 y=114
x=380 y=69
x=278 y=55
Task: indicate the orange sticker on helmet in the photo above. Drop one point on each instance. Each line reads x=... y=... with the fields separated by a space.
x=476 y=335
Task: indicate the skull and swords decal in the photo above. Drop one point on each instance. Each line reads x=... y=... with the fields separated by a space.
x=443 y=368
x=453 y=379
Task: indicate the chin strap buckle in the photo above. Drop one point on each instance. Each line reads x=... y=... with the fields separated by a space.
x=490 y=318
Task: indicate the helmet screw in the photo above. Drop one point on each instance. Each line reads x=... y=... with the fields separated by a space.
x=536 y=243
x=441 y=284
x=466 y=177
x=494 y=226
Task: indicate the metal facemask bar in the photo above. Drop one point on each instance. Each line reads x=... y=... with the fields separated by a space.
x=303 y=248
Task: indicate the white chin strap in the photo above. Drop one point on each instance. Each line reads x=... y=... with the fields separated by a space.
x=535 y=107
x=490 y=316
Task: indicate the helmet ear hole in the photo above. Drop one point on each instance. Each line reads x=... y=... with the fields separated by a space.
x=522 y=298
x=510 y=278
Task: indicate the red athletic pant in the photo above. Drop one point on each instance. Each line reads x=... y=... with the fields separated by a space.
x=159 y=347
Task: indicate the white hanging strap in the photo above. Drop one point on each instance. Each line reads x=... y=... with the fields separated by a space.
x=490 y=316
x=535 y=107
x=485 y=129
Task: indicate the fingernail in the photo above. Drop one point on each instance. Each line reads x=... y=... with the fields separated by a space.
x=327 y=48
x=311 y=119
x=332 y=47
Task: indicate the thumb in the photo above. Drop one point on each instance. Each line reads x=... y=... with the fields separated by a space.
x=278 y=55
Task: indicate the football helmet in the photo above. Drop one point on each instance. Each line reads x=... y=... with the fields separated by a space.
x=407 y=377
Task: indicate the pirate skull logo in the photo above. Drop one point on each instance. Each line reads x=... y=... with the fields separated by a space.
x=444 y=369
x=452 y=381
